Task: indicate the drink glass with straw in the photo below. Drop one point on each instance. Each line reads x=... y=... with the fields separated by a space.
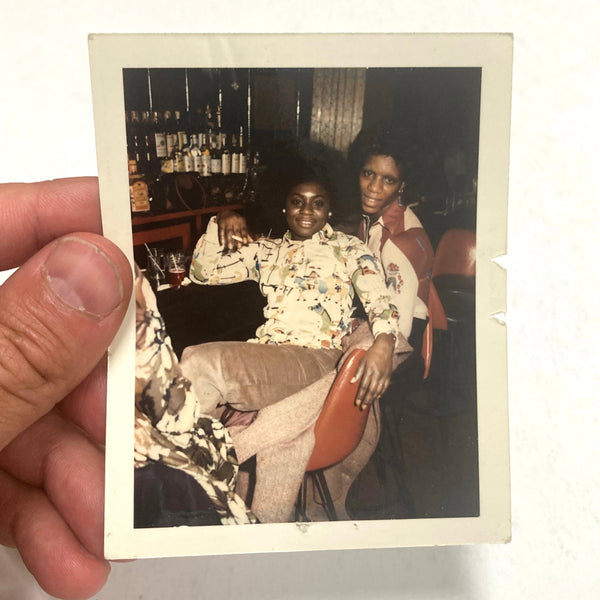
x=176 y=268
x=157 y=268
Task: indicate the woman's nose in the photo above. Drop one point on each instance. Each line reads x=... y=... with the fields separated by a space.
x=374 y=184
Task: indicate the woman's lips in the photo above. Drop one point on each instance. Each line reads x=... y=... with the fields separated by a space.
x=370 y=201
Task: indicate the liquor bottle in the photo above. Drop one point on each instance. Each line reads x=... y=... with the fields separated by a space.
x=188 y=160
x=219 y=123
x=138 y=190
x=215 y=157
x=196 y=155
x=208 y=114
x=179 y=162
x=129 y=133
x=160 y=136
x=151 y=162
x=171 y=131
x=167 y=164
x=225 y=157
x=205 y=159
x=250 y=190
x=147 y=133
x=242 y=153
x=157 y=193
x=235 y=156
x=135 y=147
x=181 y=129
x=211 y=127
x=201 y=129
x=177 y=157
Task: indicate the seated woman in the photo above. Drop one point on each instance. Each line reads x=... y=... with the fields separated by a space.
x=309 y=278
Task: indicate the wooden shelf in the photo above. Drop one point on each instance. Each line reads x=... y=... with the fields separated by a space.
x=184 y=225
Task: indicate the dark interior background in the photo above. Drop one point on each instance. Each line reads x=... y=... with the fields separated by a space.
x=438 y=108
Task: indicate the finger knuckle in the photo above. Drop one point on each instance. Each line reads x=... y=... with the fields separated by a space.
x=31 y=355
x=63 y=450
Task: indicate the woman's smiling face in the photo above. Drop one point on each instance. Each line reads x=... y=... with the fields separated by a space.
x=307 y=209
x=381 y=181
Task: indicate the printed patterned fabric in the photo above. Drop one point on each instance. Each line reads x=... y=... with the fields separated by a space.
x=401 y=244
x=168 y=425
x=309 y=285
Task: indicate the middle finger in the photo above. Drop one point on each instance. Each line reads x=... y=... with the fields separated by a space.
x=376 y=389
x=365 y=391
x=55 y=455
x=86 y=404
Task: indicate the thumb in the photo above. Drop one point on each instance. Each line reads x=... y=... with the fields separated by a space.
x=60 y=310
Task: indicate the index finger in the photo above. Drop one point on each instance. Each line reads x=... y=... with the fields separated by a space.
x=34 y=214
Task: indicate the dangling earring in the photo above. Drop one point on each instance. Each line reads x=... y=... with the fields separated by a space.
x=400 y=192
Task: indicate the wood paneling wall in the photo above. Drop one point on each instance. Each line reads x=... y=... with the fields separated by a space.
x=337 y=107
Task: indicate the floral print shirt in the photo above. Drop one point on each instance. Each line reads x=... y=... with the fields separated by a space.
x=309 y=285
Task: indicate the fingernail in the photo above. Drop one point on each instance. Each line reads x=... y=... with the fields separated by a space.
x=81 y=276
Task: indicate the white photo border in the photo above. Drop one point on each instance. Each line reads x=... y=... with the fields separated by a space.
x=109 y=55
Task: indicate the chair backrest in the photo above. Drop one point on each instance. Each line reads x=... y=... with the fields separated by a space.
x=455 y=253
x=341 y=424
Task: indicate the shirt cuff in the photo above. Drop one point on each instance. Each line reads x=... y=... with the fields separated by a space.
x=383 y=327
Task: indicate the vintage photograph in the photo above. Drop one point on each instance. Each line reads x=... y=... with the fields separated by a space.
x=306 y=344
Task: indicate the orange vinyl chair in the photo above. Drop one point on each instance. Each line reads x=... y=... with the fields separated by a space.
x=454 y=268
x=338 y=431
x=437 y=320
x=454 y=274
x=455 y=253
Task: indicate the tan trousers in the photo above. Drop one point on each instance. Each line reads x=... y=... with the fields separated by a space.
x=250 y=376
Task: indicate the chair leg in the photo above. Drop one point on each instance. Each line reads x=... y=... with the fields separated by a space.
x=301 y=501
x=322 y=488
x=320 y=484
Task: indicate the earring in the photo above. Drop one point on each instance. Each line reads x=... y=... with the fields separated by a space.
x=283 y=210
x=329 y=214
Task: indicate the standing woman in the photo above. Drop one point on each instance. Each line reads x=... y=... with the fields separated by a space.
x=396 y=237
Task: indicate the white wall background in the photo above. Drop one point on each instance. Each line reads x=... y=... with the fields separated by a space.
x=46 y=131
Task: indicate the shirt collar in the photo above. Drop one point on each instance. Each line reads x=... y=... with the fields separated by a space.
x=324 y=234
x=390 y=217
x=394 y=212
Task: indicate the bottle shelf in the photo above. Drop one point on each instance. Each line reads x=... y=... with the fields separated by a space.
x=179 y=229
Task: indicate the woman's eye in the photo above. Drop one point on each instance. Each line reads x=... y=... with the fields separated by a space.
x=367 y=173
x=296 y=201
x=391 y=181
